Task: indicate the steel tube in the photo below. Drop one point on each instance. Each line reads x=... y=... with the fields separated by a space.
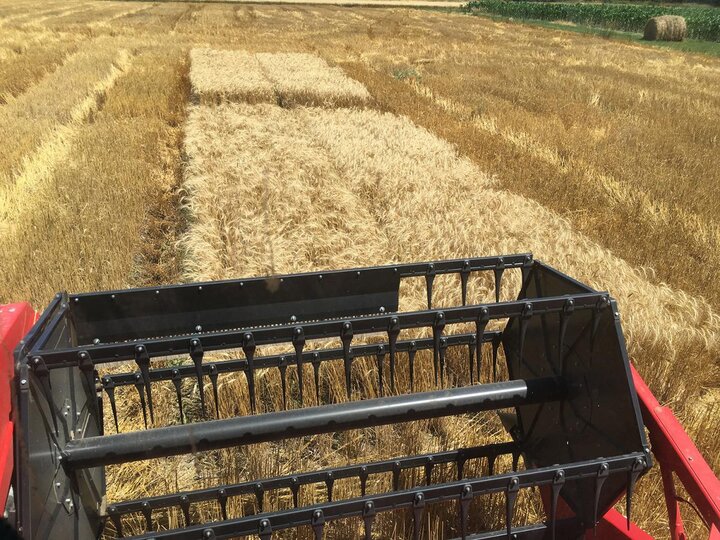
x=212 y=435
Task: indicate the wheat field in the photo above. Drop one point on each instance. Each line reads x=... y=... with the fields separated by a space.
x=122 y=166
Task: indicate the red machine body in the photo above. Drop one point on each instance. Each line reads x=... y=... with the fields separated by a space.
x=15 y=321
x=676 y=454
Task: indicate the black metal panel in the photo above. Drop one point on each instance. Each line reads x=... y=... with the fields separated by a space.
x=313 y=330
x=216 y=306
x=601 y=416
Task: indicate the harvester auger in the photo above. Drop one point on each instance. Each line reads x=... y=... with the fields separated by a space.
x=576 y=436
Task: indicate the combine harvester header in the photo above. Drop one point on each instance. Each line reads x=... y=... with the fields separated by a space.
x=577 y=427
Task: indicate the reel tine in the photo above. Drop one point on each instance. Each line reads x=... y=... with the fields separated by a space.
x=318 y=524
x=443 y=350
x=603 y=473
x=298 y=341
x=429 y=279
x=396 y=476
x=495 y=347
x=329 y=483
x=525 y=270
x=368 y=518
x=465 y=498
x=346 y=335
x=515 y=460
x=295 y=489
x=363 y=480
x=222 y=501
x=142 y=359
x=214 y=382
x=249 y=350
x=411 y=362
x=491 y=464
x=429 y=465
x=185 y=507
x=461 y=459
x=140 y=386
x=498 y=271
x=116 y=518
x=437 y=330
x=147 y=514
x=177 y=382
x=471 y=359
x=557 y=485
x=316 y=375
x=196 y=354
x=259 y=491
x=282 y=368
x=511 y=494
x=380 y=355
x=480 y=326
x=109 y=387
x=393 y=333
x=418 y=510
x=464 y=275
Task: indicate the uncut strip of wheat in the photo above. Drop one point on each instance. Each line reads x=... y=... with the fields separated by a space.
x=294 y=210
x=27 y=57
x=288 y=78
x=217 y=75
x=306 y=79
x=400 y=194
x=58 y=99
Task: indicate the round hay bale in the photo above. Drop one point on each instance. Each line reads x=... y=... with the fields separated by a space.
x=666 y=28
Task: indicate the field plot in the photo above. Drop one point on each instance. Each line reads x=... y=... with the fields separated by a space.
x=127 y=167
x=287 y=78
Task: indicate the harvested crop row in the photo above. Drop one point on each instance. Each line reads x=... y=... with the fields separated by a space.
x=88 y=215
x=26 y=58
x=63 y=97
x=276 y=190
x=286 y=78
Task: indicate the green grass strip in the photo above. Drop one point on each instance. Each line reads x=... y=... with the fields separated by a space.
x=703 y=22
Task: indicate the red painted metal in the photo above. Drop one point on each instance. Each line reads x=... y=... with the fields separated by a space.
x=613 y=526
x=15 y=321
x=678 y=456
